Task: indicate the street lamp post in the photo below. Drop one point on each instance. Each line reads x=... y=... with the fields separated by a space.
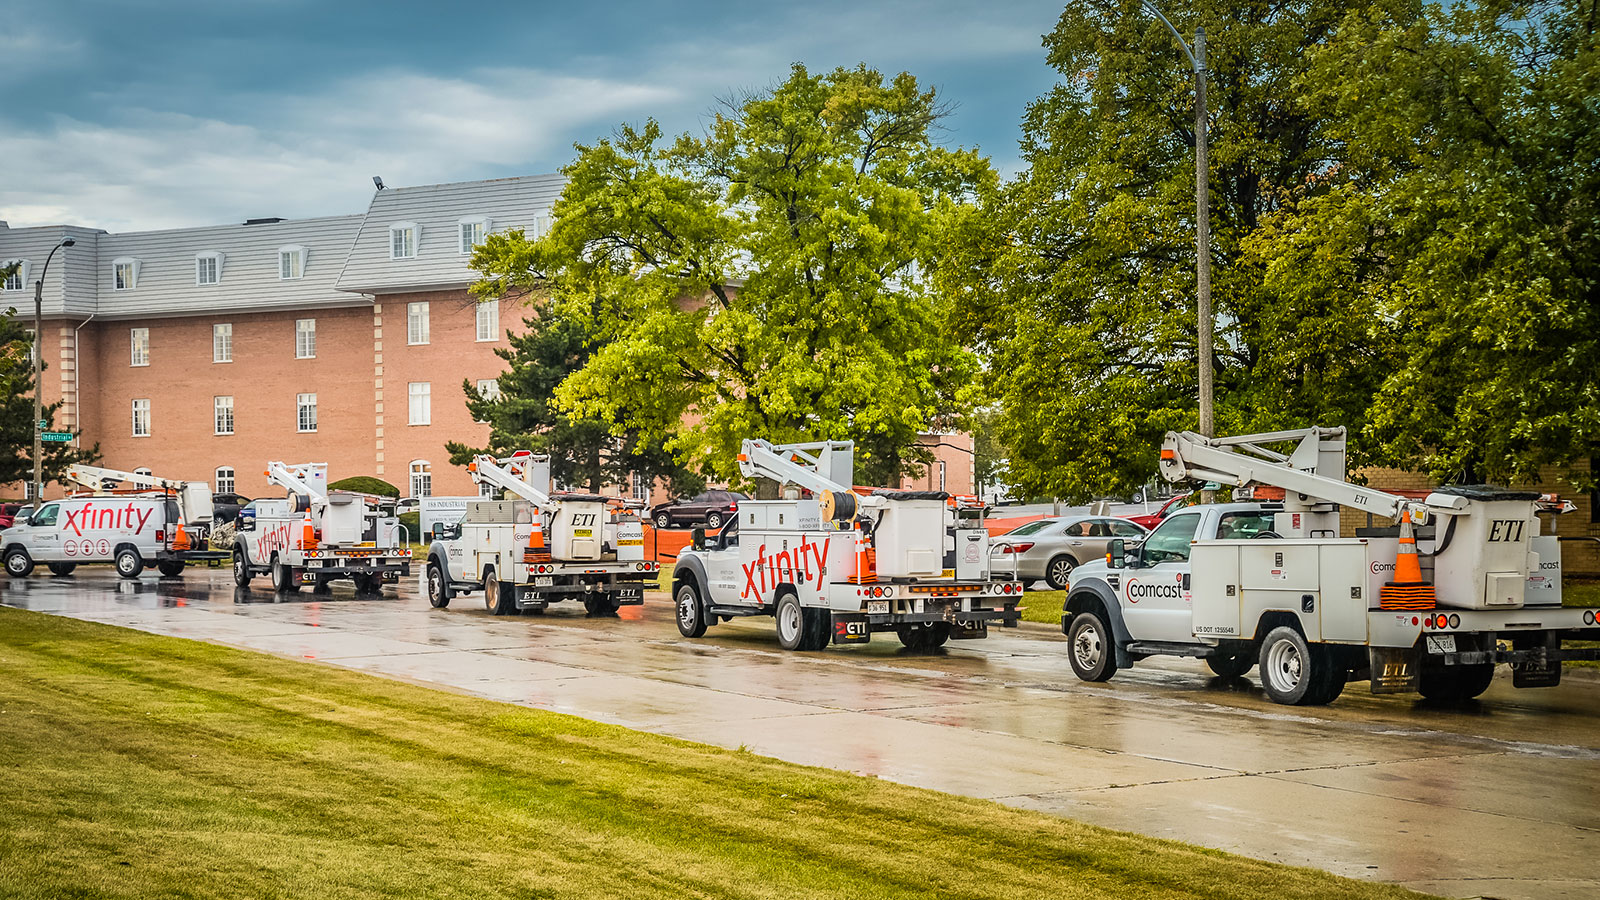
x=38 y=373
x=1202 y=213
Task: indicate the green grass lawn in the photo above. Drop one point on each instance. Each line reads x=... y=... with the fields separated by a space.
x=144 y=766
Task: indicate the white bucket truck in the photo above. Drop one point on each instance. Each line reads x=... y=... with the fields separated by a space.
x=1272 y=584
x=838 y=567
x=318 y=535
x=534 y=547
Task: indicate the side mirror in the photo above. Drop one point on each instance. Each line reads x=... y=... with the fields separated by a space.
x=697 y=539
x=440 y=529
x=1116 y=553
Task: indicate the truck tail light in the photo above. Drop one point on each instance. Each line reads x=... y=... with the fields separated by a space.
x=161 y=536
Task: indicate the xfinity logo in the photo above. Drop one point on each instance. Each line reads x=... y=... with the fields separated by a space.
x=1141 y=590
x=91 y=516
x=786 y=566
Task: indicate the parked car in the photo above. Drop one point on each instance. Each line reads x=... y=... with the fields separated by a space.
x=8 y=513
x=225 y=507
x=1049 y=549
x=1151 y=520
x=710 y=508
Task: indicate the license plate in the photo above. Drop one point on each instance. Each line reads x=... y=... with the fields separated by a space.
x=1441 y=643
x=877 y=607
x=544 y=581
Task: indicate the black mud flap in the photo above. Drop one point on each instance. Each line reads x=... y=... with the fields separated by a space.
x=1535 y=671
x=968 y=629
x=630 y=596
x=851 y=629
x=1395 y=670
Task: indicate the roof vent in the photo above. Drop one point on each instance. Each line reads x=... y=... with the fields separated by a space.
x=269 y=220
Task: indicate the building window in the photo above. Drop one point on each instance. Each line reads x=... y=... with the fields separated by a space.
x=403 y=240
x=224 y=481
x=139 y=338
x=306 y=410
x=222 y=342
x=17 y=280
x=291 y=263
x=489 y=321
x=124 y=274
x=486 y=491
x=488 y=389
x=421 y=393
x=27 y=490
x=421 y=478
x=941 y=475
x=142 y=470
x=223 y=409
x=641 y=486
x=417 y=322
x=208 y=268
x=472 y=230
x=141 y=418
x=305 y=338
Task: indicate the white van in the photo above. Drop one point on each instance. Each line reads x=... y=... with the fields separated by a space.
x=136 y=532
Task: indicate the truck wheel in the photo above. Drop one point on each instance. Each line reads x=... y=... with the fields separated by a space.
x=690 y=611
x=1058 y=571
x=714 y=520
x=241 y=569
x=792 y=621
x=283 y=577
x=663 y=521
x=170 y=567
x=61 y=568
x=1091 y=649
x=924 y=636
x=128 y=562
x=1455 y=684
x=497 y=597
x=18 y=563
x=1231 y=665
x=818 y=629
x=601 y=605
x=1296 y=674
x=438 y=591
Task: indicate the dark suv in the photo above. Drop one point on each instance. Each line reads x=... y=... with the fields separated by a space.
x=711 y=508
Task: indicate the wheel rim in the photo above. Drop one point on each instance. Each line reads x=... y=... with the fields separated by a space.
x=662 y=521
x=491 y=592
x=435 y=584
x=1060 y=570
x=238 y=565
x=1285 y=666
x=1087 y=648
x=789 y=621
x=687 y=613
x=15 y=563
x=125 y=564
x=714 y=520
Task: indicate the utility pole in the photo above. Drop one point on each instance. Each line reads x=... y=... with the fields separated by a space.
x=38 y=374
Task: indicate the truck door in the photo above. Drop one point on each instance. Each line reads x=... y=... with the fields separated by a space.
x=44 y=537
x=722 y=566
x=1155 y=595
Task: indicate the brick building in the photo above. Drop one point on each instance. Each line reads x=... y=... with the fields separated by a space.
x=201 y=353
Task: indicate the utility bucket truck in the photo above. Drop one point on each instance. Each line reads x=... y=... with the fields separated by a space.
x=318 y=535
x=1463 y=582
x=155 y=523
x=534 y=547
x=838 y=567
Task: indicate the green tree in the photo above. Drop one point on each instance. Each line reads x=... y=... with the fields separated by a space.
x=1078 y=281
x=763 y=279
x=583 y=450
x=16 y=413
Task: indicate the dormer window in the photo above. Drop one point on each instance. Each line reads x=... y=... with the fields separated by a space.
x=403 y=238
x=473 y=229
x=124 y=273
x=291 y=262
x=208 y=268
x=17 y=280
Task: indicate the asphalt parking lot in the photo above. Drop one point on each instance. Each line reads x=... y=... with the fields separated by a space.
x=1493 y=799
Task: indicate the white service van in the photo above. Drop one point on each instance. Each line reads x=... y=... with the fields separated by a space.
x=135 y=532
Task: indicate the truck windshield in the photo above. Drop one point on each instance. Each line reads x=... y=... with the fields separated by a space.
x=46 y=516
x=1170 y=542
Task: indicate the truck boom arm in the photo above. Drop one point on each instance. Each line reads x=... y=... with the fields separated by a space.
x=803 y=465
x=100 y=478
x=509 y=474
x=292 y=478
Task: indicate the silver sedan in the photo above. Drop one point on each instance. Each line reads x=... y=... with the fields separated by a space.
x=1049 y=549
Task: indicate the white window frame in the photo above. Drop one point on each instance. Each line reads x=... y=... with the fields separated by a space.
x=487 y=319
x=488 y=389
x=141 y=405
x=138 y=347
x=419 y=402
x=222 y=414
x=222 y=342
x=414 y=241
x=305 y=339
x=421 y=480
x=295 y=256
x=640 y=486
x=470 y=232
x=143 y=470
x=417 y=322
x=124 y=280
x=941 y=475
x=302 y=403
x=224 y=484
x=21 y=275
x=208 y=263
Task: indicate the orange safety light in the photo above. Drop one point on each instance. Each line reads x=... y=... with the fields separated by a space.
x=1169 y=454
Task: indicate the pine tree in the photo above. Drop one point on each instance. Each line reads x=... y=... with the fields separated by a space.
x=16 y=413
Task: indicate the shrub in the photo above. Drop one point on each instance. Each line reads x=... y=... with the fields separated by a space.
x=413 y=523
x=365 y=484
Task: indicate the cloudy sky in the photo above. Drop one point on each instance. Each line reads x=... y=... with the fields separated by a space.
x=142 y=114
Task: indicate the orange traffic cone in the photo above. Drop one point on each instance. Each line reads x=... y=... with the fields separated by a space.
x=1407 y=590
x=180 y=538
x=308 y=533
x=537 y=551
x=866 y=559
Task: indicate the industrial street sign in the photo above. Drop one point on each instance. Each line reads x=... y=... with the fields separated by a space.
x=57 y=436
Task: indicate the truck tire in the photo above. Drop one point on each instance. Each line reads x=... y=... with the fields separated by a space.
x=1091 y=649
x=924 y=635
x=368 y=583
x=283 y=577
x=792 y=621
x=663 y=521
x=601 y=605
x=170 y=567
x=1455 y=684
x=18 y=563
x=819 y=631
x=1231 y=665
x=689 y=610
x=713 y=520
x=498 y=598
x=1295 y=673
x=241 y=569
x=62 y=568
x=438 y=591
x=129 y=563
x=1058 y=570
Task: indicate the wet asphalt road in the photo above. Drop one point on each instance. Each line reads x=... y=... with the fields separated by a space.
x=1495 y=799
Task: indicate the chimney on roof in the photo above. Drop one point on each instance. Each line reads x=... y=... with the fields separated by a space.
x=3 y=224
x=267 y=220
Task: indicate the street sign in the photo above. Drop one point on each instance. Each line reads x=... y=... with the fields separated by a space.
x=43 y=424
x=59 y=437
